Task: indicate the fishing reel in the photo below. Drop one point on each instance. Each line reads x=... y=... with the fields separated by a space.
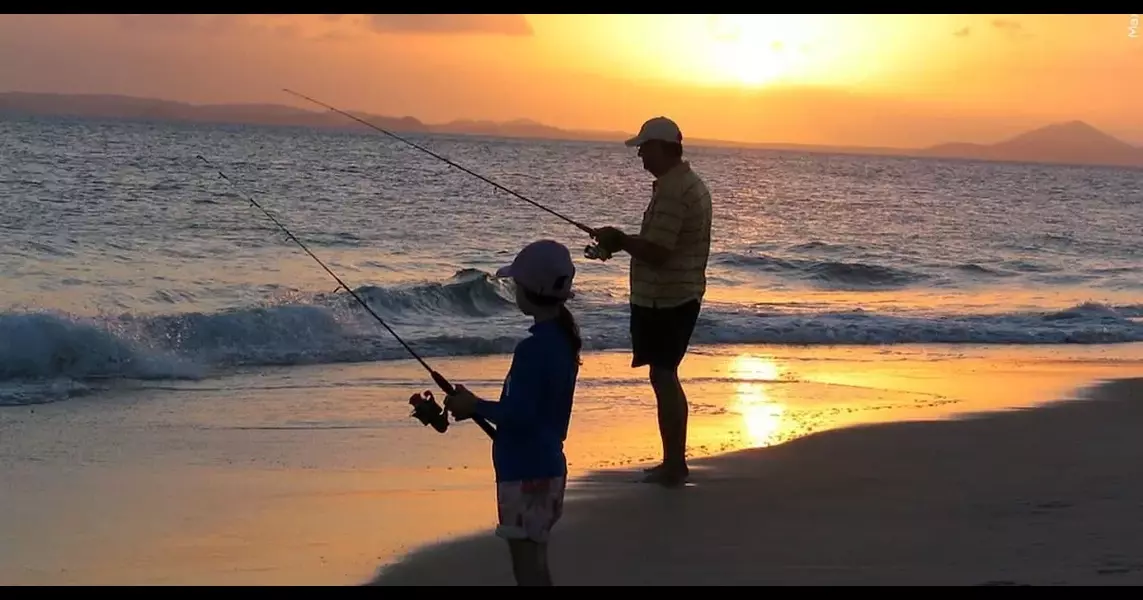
x=428 y=412
x=596 y=252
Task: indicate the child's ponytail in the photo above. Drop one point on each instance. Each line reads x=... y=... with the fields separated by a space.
x=567 y=324
x=564 y=319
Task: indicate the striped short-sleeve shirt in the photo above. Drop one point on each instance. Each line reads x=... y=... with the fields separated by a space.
x=679 y=219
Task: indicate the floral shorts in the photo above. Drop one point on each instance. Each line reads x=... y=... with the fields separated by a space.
x=529 y=509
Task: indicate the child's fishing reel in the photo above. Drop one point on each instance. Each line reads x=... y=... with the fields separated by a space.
x=596 y=252
x=428 y=412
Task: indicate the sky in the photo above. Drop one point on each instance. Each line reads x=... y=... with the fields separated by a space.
x=865 y=80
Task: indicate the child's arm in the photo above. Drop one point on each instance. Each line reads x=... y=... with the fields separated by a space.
x=517 y=407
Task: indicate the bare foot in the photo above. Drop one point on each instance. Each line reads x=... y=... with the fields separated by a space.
x=667 y=476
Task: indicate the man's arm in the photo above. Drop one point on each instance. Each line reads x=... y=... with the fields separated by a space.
x=657 y=243
x=644 y=249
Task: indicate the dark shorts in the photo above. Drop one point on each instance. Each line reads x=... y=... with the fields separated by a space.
x=660 y=336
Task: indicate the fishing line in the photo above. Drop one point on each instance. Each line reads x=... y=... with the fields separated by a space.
x=589 y=252
x=446 y=387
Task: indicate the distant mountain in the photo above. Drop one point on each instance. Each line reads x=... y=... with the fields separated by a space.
x=129 y=107
x=524 y=128
x=112 y=106
x=1072 y=143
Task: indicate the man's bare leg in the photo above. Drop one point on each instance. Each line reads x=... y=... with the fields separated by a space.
x=530 y=563
x=672 y=408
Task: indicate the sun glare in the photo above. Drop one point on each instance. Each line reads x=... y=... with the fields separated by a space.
x=746 y=52
x=753 y=368
x=761 y=416
x=754 y=50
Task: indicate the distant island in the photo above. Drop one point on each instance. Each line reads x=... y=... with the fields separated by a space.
x=1074 y=142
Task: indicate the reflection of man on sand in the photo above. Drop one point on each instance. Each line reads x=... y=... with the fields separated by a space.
x=668 y=281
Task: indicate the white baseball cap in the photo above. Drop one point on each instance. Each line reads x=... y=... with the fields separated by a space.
x=543 y=267
x=658 y=128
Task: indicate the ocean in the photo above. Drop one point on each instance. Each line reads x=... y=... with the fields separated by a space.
x=129 y=259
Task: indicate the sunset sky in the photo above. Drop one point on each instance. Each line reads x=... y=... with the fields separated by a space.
x=874 y=80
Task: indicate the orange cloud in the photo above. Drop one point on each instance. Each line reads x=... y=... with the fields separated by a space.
x=224 y=24
x=1011 y=28
x=452 y=24
x=330 y=24
x=1006 y=24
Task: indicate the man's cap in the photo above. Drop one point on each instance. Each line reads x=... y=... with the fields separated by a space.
x=658 y=128
x=544 y=268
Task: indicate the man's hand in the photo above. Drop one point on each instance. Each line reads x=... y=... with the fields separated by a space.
x=613 y=240
x=609 y=238
x=461 y=403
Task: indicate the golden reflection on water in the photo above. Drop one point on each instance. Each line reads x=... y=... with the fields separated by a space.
x=762 y=417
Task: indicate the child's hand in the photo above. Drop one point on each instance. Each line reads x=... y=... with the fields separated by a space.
x=461 y=403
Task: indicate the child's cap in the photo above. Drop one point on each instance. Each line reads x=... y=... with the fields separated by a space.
x=544 y=268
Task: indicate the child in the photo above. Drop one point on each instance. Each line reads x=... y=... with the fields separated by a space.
x=534 y=410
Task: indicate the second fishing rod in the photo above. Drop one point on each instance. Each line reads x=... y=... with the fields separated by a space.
x=592 y=251
x=425 y=407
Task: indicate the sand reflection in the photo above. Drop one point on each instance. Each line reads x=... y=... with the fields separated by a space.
x=762 y=417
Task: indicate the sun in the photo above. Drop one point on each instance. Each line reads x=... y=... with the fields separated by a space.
x=755 y=50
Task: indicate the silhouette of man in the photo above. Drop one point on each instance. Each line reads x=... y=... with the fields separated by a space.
x=668 y=281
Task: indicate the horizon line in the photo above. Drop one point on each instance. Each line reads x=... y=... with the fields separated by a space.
x=557 y=133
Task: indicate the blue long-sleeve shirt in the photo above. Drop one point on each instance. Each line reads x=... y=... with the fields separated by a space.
x=534 y=411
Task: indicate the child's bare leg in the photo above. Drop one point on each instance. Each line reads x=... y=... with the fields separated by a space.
x=530 y=563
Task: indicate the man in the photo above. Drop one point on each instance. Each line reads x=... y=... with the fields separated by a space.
x=668 y=281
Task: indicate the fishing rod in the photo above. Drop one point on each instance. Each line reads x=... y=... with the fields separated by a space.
x=425 y=407
x=593 y=252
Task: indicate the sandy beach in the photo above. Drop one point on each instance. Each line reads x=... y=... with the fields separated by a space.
x=1048 y=496
x=317 y=477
